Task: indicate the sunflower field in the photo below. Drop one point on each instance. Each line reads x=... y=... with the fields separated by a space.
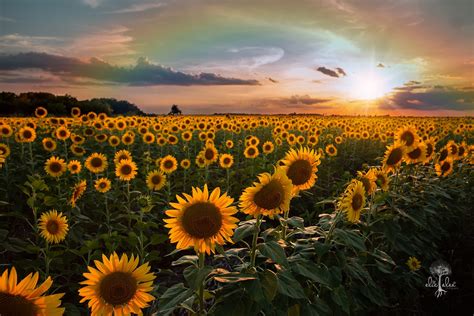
x=228 y=215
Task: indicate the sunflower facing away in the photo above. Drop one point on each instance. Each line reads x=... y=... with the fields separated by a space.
x=96 y=163
x=126 y=170
x=382 y=179
x=155 y=180
x=445 y=167
x=201 y=220
x=270 y=196
x=25 y=299
x=53 y=226
x=117 y=286
x=77 y=192
x=301 y=167
x=55 y=166
x=353 y=200
x=368 y=179
x=407 y=136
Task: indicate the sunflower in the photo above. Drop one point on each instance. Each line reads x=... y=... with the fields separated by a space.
x=77 y=192
x=301 y=167
x=382 y=179
x=55 y=166
x=155 y=180
x=430 y=148
x=49 y=144
x=77 y=150
x=6 y=131
x=62 y=133
x=2 y=160
x=4 y=150
x=24 y=298
x=200 y=161
x=148 y=138
x=413 y=264
x=74 y=166
x=251 y=152
x=114 y=141
x=210 y=154
x=168 y=164
x=53 y=226
x=445 y=167
x=128 y=138
x=368 y=179
x=27 y=134
x=226 y=161
x=331 y=150
x=117 y=286
x=417 y=154
x=102 y=185
x=353 y=200
x=126 y=170
x=407 y=136
x=229 y=144
x=393 y=156
x=185 y=163
x=270 y=196
x=41 y=112
x=201 y=220
x=268 y=147
x=122 y=154
x=96 y=163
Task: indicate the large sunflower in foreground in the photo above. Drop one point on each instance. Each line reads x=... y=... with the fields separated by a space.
x=301 y=167
x=201 y=220
x=394 y=156
x=53 y=226
x=55 y=166
x=25 y=299
x=117 y=286
x=270 y=196
x=353 y=200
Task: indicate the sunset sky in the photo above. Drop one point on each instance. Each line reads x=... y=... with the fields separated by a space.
x=277 y=56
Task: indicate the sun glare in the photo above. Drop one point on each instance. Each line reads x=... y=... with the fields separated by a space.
x=369 y=87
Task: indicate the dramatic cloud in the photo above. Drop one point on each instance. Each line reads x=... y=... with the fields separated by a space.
x=305 y=100
x=144 y=73
x=339 y=72
x=429 y=98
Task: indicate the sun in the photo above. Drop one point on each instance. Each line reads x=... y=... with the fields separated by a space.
x=369 y=86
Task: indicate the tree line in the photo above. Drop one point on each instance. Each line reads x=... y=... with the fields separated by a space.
x=24 y=104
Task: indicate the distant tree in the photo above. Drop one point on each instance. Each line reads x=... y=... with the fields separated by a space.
x=175 y=110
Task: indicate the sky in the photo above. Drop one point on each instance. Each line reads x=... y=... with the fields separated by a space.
x=397 y=57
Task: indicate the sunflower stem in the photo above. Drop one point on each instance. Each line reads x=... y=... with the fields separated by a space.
x=228 y=179
x=253 y=251
x=285 y=224
x=202 y=257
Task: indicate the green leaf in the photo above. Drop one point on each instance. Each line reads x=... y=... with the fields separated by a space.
x=289 y=286
x=311 y=271
x=173 y=296
x=195 y=276
x=157 y=239
x=296 y=221
x=273 y=250
x=339 y=296
x=188 y=259
x=351 y=238
x=243 y=232
x=269 y=282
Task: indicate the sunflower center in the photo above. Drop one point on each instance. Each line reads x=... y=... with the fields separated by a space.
x=209 y=154
x=356 y=201
x=251 y=151
x=270 y=196
x=96 y=162
x=102 y=185
x=49 y=144
x=52 y=227
x=12 y=305
x=445 y=166
x=202 y=220
x=444 y=153
x=395 y=156
x=62 y=133
x=156 y=179
x=168 y=164
x=118 y=288
x=300 y=172
x=366 y=182
x=461 y=151
x=126 y=170
x=408 y=137
x=226 y=161
x=55 y=167
x=454 y=149
x=27 y=134
x=381 y=179
x=415 y=154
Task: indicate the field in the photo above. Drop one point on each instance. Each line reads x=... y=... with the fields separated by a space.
x=229 y=215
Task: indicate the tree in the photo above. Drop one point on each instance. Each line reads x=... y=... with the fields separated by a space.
x=175 y=110
x=440 y=268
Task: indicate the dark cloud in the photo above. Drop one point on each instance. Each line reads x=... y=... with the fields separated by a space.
x=304 y=100
x=380 y=65
x=272 y=80
x=429 y=98
x=144 y=73
x=339 y=72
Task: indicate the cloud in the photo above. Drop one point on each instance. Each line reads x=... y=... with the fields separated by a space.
x=10 y=43
x=143 y=73
x=272 y=80
x=253 y=57
x=380 y=65
x=5 y=19
x=139 y=7
x=429 y=98
x=339 y=72
x=92 y=3
x=304 y=100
